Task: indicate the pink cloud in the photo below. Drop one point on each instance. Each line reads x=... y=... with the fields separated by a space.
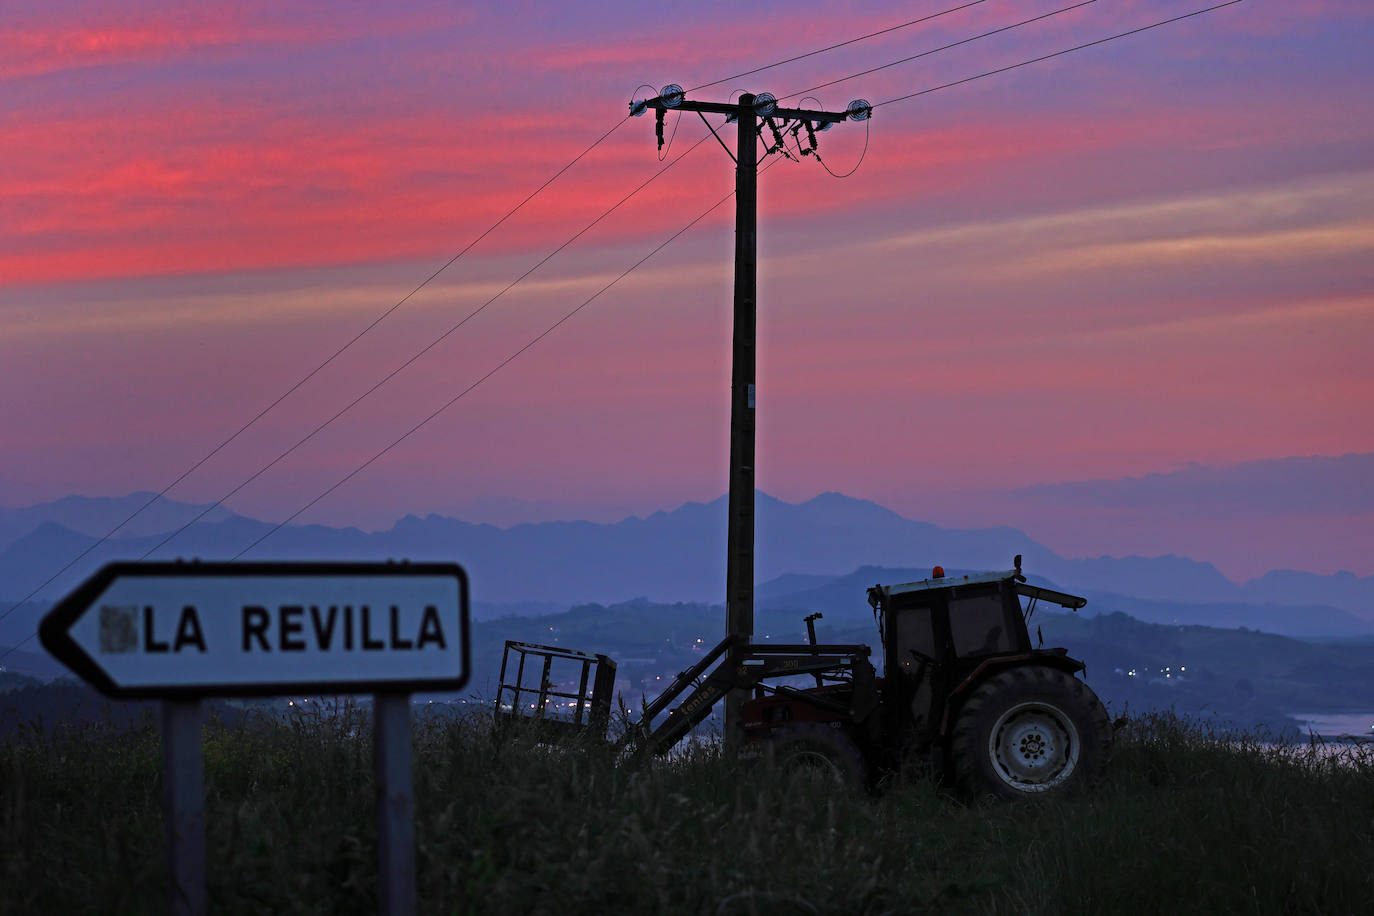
x=53 y=48
x=125 y=195
x=121 y=188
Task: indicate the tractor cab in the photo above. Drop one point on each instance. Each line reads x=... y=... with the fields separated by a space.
x=943 y=634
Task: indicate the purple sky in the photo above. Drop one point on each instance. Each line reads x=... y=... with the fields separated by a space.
x=1134 y=259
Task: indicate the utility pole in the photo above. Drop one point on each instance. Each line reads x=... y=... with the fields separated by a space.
x=751 y=115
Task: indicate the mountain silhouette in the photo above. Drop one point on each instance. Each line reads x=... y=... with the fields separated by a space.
x=668 y=556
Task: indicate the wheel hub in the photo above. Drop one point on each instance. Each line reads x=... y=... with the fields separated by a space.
x=1034 y=746
x=813 y=764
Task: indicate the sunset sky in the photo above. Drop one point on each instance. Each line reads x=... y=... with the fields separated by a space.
x=1139 y=258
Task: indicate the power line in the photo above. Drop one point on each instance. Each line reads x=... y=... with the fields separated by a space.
x=418 y=354
x=862 y=154
x=1036 y=60
x=499 y=366
x=206 y=510
x=450 y=403
x=388 y=312
x=842 y=44
x=443 y=336
x=313 y=372
x=912 y=95
x=677 y=122
x=664 y=244
x=906 y=60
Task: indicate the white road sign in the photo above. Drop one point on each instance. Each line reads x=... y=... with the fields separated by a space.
x=229 y=629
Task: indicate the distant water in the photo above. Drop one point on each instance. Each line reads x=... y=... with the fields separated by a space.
x=1360 y=724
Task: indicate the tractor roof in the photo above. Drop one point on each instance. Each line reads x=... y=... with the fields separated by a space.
x=949 y=581
x=1063 y=599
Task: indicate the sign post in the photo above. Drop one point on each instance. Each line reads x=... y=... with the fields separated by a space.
x=395 y=801
x=183 y=805
x=180 y=632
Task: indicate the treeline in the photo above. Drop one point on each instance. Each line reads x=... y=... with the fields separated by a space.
x=30 y=706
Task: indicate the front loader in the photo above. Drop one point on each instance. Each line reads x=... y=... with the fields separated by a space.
x=963 y=694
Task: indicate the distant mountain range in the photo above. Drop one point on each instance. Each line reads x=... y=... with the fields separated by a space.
x=841 y=599
x=96 y=515
x=806 y=554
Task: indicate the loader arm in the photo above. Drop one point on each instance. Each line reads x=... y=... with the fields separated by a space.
x=745 y=667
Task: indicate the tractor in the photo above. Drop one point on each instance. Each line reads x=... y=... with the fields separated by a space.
x=963 y=695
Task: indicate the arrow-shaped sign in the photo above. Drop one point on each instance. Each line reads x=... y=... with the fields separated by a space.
x=237 y=629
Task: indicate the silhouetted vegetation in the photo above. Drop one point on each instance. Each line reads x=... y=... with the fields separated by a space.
x=10 y=680
x=1189 y=820
x=28 y=705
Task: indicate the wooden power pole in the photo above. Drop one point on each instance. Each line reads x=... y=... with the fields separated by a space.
x=751 y=115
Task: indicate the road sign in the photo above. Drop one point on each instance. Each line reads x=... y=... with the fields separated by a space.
x=237 y=629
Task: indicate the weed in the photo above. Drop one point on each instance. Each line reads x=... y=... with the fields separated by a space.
x=1191 y=819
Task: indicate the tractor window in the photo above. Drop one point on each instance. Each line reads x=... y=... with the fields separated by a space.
x=979 y=625
x=914 y=635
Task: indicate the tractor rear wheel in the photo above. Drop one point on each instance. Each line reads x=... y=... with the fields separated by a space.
x=1030 y=732
x=819 y=751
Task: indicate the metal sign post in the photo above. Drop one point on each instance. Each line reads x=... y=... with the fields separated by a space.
x=395 y=801
x=183 y=805
x=180 y=632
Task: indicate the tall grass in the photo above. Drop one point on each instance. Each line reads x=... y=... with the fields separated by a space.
x=1190 y=820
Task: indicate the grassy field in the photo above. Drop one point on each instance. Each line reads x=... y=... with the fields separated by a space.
x=1188 y=822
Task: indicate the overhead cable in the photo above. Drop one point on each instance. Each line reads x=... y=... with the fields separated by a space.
x=893 y=28
x=862 y=154
x=584 y=304
x=419 y=353
x=312 y=373
x=499 y=366
x=348 y=407
x=955 y=44
x=890 y=101
x=388 y=312
x=1036 y=60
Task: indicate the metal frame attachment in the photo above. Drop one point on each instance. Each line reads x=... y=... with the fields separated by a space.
x=591 y=710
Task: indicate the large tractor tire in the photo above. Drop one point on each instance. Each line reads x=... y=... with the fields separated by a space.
x=819 y=751
x=1030 y=732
